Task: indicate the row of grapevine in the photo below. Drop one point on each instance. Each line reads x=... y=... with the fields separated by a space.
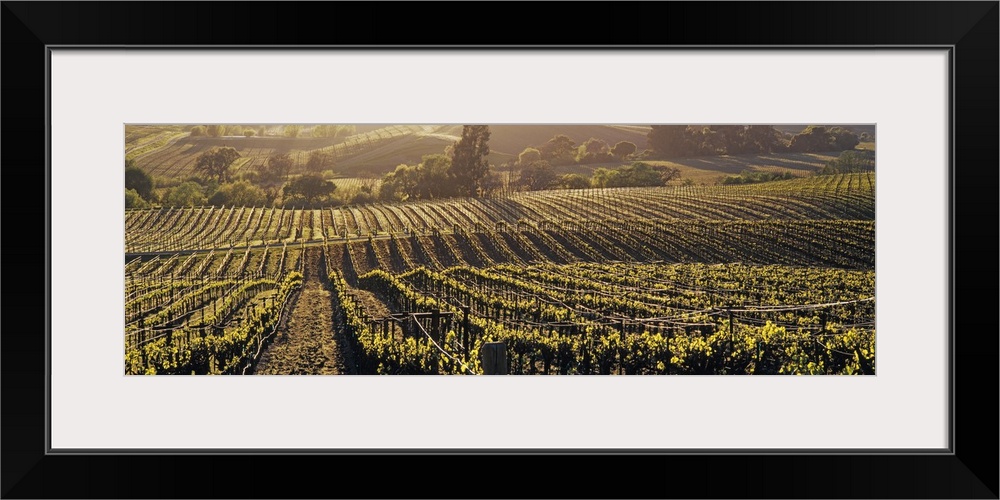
x=551 y=330
x=158 y=230
x=217 y=343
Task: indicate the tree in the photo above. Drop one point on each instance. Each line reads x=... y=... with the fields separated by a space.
x=133 y=200
x=215 y=130
x=187 y=194
x=235 y=130
x=198 y=130
x=850 y=161
x=729 y=137
x=706 y=142
x=761 y=138
x=528 y=156
x=667 y=174
x=756 y=176
x=492 y=183
x=239 y=193
x=215 y=162
x=560 y=150
x=398 y=184
x=812 y=138
x=309 y=190
x=292 y=130
x=574 y=181
x=319 y=160
x=623 y=149
x=277 y=169
x=138 y=180
x=670 y=141
x=432 y=178
x=602 y=177
x=638 y=174
x=249 y=132
x=842 y=139
x=469 y=161
x=435 y=178
x=362 y=197
x=593 y=151
x=537 y=176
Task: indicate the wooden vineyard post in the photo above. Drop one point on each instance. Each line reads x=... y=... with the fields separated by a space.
x=730 y=312
x=465 y=333
x=493 y=357
x=586 y=346
x=436 y=337
x=621 y=351
x=436 y=326
x=411 y=327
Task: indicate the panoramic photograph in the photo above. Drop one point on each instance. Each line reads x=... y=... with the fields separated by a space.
x=503 y=249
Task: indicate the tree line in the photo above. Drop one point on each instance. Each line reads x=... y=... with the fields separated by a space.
x=463 y=169
x=214 y=184
x=673 y=141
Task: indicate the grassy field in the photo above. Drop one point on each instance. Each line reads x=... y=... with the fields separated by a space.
x=708 y=170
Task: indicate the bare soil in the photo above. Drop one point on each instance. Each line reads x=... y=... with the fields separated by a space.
x=308 y=343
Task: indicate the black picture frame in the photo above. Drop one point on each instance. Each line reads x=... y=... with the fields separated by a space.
x=969 y=470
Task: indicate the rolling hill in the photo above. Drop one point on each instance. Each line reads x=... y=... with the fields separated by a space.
x=377 y=149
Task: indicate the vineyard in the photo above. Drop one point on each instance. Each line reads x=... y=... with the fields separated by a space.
x=821 y=198
x=772 y=278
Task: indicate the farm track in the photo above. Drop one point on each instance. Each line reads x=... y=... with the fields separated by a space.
x=308 y=343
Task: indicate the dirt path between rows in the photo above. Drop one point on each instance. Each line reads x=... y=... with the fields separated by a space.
x=308 y=343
